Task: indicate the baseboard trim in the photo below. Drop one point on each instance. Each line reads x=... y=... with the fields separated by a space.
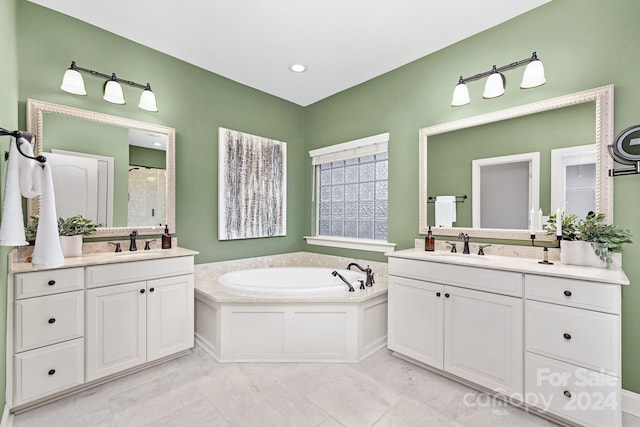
x=631 y=403
x=7 y=418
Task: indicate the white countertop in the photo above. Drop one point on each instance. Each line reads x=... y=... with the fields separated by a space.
x=517 y=264
x=23 y=266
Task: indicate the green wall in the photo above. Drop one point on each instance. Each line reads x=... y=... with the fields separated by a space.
x=584 y=44
x=8 y=120
x=193 y=101
x=147 y=157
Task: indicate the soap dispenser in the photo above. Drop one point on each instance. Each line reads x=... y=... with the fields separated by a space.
x=429 y=241
x=166 y=238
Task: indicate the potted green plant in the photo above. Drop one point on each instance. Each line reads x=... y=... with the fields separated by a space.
x=71 y=230
x=589 y=241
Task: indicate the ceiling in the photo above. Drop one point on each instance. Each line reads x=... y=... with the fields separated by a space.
x=342 y=42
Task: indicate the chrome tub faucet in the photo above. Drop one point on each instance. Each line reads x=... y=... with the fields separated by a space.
x=370 y=280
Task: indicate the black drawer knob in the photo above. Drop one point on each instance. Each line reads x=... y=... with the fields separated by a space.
x=446 y=295
x=52 y=320
x=567 y=393
x=152 y=289
x=438 y=294
x=566 y=336
x=567 y=293
x=142 y=291
x=51 y=282
x=52 y=371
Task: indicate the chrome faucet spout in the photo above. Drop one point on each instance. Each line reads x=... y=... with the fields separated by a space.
x=465 y=238
x=335 y=273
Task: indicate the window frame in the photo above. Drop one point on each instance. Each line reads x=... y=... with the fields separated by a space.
x=362 y=147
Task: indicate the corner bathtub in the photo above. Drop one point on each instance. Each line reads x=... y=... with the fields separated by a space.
x=290 y=314
x=290 y=280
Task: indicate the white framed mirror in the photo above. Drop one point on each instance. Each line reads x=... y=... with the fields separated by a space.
x=124 y=167
x=602 y=114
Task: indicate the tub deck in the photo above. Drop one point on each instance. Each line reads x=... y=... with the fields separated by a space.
x=244 y=326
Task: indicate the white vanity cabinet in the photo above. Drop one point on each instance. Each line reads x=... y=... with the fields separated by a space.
x=135 y=322
x=546 y=336
x=572 y=359
x=48 y=331
x=467 y=332
x=96 y=317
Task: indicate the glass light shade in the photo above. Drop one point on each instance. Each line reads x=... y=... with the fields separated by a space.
x=72 y=82
x=494 y=86
x=460 y=95
x=113 y=92
x=533 y=75
x=148 y=101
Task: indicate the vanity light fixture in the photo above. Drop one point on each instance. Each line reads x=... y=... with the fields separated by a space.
x=496 y=81
x=72 y=82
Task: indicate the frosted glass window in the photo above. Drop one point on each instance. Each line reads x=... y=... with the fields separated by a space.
x=353 y=196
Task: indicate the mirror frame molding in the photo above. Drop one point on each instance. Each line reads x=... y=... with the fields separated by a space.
x=603 y=97
x=35 y=124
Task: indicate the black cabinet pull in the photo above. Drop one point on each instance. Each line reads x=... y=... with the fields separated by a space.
x=152 y=289
x=52 y=371
x=52 y=320
x=437 y=294
x=567 y=393
x=446 y=295
x=566 y=336
x=567 y=293
x=51 y=282
x=142 y=291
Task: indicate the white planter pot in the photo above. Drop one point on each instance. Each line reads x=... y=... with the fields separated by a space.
x=580 y=253
x=71 y=245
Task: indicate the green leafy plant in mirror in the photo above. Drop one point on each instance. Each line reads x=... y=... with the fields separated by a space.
x=569 y=230
x=76 y=225
x=604 y=238
x=31 y=228
x=72 y=226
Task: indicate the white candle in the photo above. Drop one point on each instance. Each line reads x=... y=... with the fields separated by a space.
x=532 y=222
x=558 y=223
x=540 y=223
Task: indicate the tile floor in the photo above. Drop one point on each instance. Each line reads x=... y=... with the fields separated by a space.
x=195 y=390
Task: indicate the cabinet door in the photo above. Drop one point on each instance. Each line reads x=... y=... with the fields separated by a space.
x=415 y=320
x=169 y=316
x=483 y=339
x=116 y=328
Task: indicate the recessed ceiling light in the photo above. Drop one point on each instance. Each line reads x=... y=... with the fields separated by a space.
x=298 y=68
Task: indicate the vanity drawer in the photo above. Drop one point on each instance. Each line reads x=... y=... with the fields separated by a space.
x=47 y=370
x=584 y=338
x=573 y=293
x=583 y=396
x=136 y=271
x=48 y=282
x=47 y=320
x=483 y=279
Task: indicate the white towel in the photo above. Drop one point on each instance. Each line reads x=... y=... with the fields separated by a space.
x=26 y=177
x=47 y=252
x=445 y=211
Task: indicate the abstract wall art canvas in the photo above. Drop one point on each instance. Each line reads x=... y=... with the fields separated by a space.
x=252 y=186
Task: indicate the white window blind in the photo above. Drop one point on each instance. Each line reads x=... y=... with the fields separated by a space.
x=375 y=144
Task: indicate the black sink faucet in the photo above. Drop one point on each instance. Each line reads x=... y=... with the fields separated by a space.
x=370 y=281
x=335 y=273
x=132 y=244
x=464 y=237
